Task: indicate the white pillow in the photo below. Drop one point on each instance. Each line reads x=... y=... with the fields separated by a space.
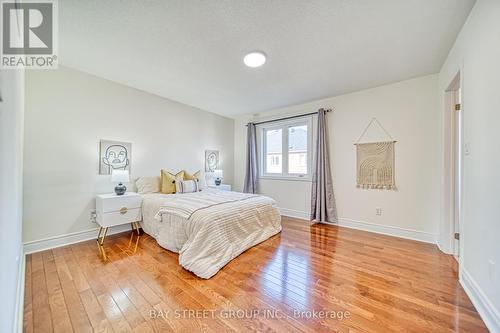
x=202 y=182
x=186 y=186
x=148 y=185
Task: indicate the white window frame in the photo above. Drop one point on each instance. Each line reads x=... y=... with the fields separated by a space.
x=284 y=126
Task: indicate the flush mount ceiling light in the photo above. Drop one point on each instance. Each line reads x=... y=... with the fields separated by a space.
x=254 y=59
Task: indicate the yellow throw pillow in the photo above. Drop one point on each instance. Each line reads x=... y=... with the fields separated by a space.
x=168 y=181
x=194 y=176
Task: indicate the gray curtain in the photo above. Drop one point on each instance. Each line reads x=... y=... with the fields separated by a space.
x=252 y=173
x=323 y=207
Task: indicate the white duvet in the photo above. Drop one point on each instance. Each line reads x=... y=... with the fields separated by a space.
x=209 y=228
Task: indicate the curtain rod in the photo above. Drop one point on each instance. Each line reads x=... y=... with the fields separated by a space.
x=292 y=117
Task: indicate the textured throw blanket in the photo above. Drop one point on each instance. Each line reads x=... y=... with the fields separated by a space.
x=210 y=228
x=186 y=204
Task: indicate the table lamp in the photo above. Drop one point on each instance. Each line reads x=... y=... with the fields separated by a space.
x=120 y=177
x=218 y=177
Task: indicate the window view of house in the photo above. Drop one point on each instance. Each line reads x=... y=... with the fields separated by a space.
x=297 y=149
x=274 y=144
x=285 y=150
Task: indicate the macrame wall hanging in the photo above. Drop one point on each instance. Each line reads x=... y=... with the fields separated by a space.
x=375 y=161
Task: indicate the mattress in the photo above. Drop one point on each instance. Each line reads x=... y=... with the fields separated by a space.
x=209 y=228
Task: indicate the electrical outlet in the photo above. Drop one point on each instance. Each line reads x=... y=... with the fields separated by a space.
x=492 y=270
x=378 y=211
x=467 y=148
x=93 y=216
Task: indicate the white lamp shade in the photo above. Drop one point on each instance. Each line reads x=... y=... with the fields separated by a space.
x=218 y=173
x=120 y=176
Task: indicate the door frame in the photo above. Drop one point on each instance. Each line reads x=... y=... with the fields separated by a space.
x=453 y=169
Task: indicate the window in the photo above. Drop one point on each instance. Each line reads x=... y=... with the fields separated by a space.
x=274 y=146
x=286 y=149
x=297 y=150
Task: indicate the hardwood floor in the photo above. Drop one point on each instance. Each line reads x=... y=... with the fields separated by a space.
x=363 y=282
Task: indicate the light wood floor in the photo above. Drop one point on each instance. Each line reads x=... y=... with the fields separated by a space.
x=378 y=283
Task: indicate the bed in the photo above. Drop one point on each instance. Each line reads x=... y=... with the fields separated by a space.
x=209 y=228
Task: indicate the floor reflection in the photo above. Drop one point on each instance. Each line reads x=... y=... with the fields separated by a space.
x=131 y=248
x=292 y=272
x=287 y=277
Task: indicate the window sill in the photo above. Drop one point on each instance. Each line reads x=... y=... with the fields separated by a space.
x=293 y=179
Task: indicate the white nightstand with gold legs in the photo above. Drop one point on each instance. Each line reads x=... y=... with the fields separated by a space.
x=113 y=210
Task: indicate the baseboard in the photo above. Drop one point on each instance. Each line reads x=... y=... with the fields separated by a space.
x=484 y=307
x=75 y=237
x=421 y=236
x=18 y=321
x=294 y=213
x=441 y=248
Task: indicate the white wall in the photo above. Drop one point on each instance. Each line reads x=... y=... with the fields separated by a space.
x=11 y=152
x=409 y=111
x=476 y=54
x=68 y=112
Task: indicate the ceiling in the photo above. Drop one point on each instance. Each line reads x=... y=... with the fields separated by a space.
x=192 y=51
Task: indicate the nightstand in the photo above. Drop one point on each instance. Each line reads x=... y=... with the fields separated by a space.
x=222 y=187
x=113 y=210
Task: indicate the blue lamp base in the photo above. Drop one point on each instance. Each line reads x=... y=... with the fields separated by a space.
x=120 y=189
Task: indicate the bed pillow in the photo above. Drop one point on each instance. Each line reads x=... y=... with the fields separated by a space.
x=168 y=181
x=186 y=186
x=202 y=183
x=188 y=176
x=148 y=185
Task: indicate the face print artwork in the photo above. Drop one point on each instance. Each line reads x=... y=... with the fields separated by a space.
x=211 y=160
x=114 y=155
